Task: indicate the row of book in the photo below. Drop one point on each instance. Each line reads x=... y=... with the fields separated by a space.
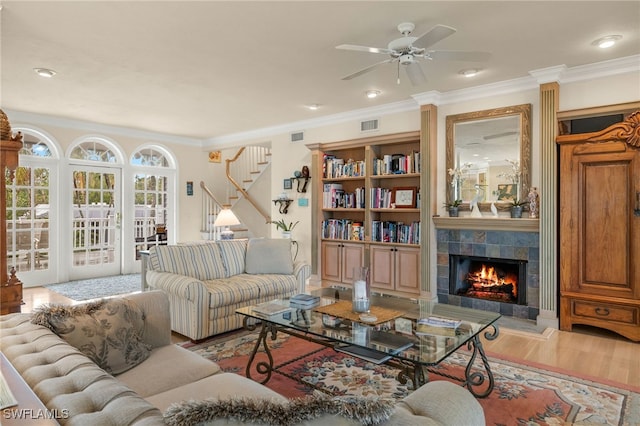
x=389 y=164
x=333 y=167
x=397 y=164
x=380 y=198
x=342 y=229
x=381 y=231
x=334 y=196
x=395 y=232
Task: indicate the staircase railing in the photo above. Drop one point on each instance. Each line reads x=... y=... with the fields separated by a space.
x=210 y=209
x=252 y=164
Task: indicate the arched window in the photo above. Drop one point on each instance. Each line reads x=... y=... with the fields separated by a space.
x=152 y=191
x=149 y=157
x=94 y=149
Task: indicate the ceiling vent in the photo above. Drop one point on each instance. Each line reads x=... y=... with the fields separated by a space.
x=369 y=125
x=297 y=136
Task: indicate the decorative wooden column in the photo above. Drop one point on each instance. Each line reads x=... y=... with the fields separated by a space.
x=10 y=285
x=549 y=100
x=428 y=191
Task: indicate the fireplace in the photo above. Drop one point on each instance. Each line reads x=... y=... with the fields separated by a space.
x=500 y=280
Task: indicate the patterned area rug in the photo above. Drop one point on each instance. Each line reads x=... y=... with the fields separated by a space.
x=523 y=395
x=95 y=288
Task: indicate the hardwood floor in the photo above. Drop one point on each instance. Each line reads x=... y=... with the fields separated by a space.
x=587 y=351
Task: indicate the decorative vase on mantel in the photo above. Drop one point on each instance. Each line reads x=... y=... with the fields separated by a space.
x=453 y=212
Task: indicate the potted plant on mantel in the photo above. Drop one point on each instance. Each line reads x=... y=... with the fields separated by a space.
x=453 y=207
x=517 y=206
x=285 y=227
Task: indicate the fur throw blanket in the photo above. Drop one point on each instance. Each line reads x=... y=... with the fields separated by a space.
x=367 y=411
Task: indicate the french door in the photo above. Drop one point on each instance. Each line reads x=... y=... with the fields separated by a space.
x=95 y=222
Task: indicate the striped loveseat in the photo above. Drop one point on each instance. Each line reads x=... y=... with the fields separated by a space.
x=207 y=282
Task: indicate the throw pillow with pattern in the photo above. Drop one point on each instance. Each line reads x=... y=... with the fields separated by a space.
x=108 y=331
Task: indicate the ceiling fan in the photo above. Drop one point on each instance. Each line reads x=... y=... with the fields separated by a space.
x=408 y=50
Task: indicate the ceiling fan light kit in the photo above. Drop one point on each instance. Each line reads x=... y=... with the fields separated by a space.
x=408 y=51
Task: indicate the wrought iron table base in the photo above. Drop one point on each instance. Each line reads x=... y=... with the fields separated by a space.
x=413 y=371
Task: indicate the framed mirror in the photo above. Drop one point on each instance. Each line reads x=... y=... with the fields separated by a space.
x=489 y=156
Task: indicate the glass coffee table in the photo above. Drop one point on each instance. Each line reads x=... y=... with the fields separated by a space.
x=408 y=334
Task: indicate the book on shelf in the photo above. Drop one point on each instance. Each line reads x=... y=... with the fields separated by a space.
x=391 y=164
x=333 y=167
x=271 y=308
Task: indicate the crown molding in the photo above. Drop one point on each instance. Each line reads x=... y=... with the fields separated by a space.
x=617 y=66
x=327 y=120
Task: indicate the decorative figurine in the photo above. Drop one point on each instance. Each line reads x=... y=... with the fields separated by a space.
x=534 y=203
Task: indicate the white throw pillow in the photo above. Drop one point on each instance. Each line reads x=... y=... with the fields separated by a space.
x=269 y=256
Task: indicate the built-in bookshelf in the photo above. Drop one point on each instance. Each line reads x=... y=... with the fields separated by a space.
x=368 y=195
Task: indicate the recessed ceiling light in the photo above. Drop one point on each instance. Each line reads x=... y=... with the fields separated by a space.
x=313 y=107
x=373 y=94
x=45 y=72
x=472 y=72
x=606 y=42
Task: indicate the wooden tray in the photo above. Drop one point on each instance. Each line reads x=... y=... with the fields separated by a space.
x=343 y=309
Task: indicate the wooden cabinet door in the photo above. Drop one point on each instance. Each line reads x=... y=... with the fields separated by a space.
x=382 y=262
x=407 y=269
x=331 y=261
x=352 y=257
x=604 y=232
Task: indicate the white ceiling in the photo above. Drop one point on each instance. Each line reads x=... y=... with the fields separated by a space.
x=207 y=69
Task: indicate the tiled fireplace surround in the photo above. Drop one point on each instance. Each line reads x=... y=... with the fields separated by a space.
x=495 y=244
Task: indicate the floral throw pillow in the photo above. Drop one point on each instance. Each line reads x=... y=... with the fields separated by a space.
x=108 y=331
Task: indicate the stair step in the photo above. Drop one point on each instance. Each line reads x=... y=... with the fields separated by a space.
x=247 y=181
x=234 y=197
x=262 y=163
x=254 y=173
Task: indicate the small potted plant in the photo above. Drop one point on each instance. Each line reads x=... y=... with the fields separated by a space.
x=285 y=227
x=453 y=207
x=517 y=206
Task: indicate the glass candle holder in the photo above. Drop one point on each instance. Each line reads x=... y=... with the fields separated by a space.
x=361 y=290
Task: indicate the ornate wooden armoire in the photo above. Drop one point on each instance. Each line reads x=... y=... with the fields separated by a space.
x=10 y=285
x=600 y=228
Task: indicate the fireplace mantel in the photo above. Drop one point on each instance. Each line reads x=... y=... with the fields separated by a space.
x=487 y=223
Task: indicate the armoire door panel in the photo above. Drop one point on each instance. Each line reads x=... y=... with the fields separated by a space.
x=605 y=219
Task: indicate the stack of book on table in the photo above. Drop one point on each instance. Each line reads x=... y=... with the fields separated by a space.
x=438 y=326
x=271 y=308
x=304 y=301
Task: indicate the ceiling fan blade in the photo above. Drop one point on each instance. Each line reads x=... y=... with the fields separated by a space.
x=457 y=55
x=363 y=48
x=415 y=74
x=366 y=70
x=433 y=36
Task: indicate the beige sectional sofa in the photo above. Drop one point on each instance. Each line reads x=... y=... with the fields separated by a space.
x=170 y=378
x=207 y=282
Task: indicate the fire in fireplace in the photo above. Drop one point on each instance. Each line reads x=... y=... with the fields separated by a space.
x=502 y=280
